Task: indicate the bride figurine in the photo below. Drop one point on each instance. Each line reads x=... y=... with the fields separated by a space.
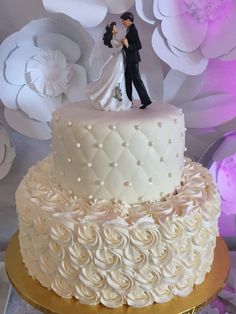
x=109 y=92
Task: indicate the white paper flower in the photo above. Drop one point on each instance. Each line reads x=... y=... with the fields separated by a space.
x=201 y=110
x=7 y=153
x=88 y=12
x=45 y=64
x=191 y=32
x=224 y=172
x=208 y=115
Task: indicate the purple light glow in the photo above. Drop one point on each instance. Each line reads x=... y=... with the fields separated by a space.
x=217 y=70
x=224 y=174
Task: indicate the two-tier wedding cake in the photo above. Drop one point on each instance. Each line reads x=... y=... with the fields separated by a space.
x=117 y=215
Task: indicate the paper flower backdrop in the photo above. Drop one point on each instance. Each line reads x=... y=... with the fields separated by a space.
x=201 y=110
x=42 y=66
x=88 y=12
x=224 y=172
x=7 y=153
x=191 y=32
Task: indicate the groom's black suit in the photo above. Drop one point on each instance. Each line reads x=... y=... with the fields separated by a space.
x=132 y=59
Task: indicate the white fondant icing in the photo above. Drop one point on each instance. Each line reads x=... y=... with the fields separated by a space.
x=124 y=138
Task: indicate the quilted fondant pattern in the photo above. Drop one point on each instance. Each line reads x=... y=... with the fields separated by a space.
x=127 y=156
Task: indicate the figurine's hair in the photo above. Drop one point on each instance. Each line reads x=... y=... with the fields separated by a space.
x=107 y=37
x=127 y=16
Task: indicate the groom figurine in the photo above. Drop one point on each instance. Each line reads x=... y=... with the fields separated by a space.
x=131 y=44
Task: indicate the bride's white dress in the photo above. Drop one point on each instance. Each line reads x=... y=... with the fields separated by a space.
x=108 y=92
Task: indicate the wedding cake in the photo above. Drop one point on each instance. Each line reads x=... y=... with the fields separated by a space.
x=117 y=215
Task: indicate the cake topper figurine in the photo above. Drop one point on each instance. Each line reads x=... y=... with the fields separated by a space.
x=131 y=45
x=113 y=89
x=109 y=92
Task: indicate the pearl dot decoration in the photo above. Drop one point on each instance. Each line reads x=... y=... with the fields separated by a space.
x=185 y=149
x=78 y=145
x=69 y=123
x=114 y=164
x=90 y=197
x=101 y=183
x=89 y=164
x=78 y=179
x=70 y=192
x=89 y=127
x=69 y=160
x=128 y=183
x=99 y=145
x=125 y=144
x=139 y=163
x=112 y=127
x=57 y=118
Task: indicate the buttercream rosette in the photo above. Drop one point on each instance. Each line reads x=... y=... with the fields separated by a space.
x=150 y=253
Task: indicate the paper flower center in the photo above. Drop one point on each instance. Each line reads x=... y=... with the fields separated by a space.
x=48 y=73
x=205 y=10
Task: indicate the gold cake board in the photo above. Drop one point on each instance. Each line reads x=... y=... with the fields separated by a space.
x=48 y=302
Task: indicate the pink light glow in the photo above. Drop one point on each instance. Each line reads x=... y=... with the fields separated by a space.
x=224 y=173
x=221 y=77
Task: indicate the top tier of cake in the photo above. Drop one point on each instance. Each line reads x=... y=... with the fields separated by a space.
x=133 y=156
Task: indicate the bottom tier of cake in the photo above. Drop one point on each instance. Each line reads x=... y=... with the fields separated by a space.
x=118 y=253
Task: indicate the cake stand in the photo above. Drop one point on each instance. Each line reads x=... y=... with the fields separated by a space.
x=48 y=302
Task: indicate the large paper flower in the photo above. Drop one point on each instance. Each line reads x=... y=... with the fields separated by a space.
x=7 y=153
x=202 y=110
x=191 y=32
x=88 y=12
x=208 y=115
x=224 y=172
x=42 y=66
